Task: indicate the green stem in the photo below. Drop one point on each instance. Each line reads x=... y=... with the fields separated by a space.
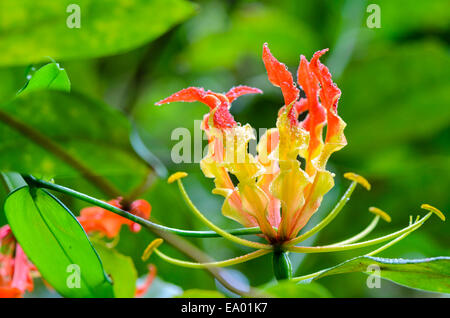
x=145 y=223
x=282 y=267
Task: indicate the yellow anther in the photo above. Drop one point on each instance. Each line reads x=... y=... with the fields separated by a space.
x=177 y=175
x=381 y=213
x=357 y=178
x=434 y=210
x=151 y=248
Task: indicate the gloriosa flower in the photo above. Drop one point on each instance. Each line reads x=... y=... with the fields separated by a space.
x=96 y=219
x=279 y=190
x=274 y=191
x=16 y=271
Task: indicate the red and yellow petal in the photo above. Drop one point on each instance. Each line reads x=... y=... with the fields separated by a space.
x=280 y=76
x=316 y=118
x=237 y=91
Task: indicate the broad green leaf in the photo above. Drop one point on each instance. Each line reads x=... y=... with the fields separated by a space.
x=91 y=132
x=200 y=293
x=50 y=76
x=120 y=268
x=31 y=32
x=288 y=289
x=56 y=243
x=431 y=274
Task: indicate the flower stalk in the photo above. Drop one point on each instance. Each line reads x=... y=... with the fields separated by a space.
x=32 y=181
x=282 y=267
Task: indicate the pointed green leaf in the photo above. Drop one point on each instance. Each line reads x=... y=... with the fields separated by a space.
x=50 y=76
x=56 y=243
x=431 y=274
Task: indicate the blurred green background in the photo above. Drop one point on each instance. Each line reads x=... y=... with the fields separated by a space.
x=129 y=54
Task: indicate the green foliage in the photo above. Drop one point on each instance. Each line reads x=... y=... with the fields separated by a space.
x=431 y=274
x=54 y=241
x=120 y=268
x=88 y=130
x=32 y=31
x=288 y=289
x=50 y=76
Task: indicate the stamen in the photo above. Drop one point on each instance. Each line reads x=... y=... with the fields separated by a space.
x=381 y=213
x=177 y=175
x=151 y=248
x=336 y=248
x=214 y=227
x=361 y=234
x=378 y=250
x=357 y=178
x=394 y=241
x=229 y=262
x=434 y=210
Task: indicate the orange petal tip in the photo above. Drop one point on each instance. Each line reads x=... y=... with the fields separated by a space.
x=151 y=248
x=176 y=176
x=380 y=213
x=434 y=210
x=357 y=178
